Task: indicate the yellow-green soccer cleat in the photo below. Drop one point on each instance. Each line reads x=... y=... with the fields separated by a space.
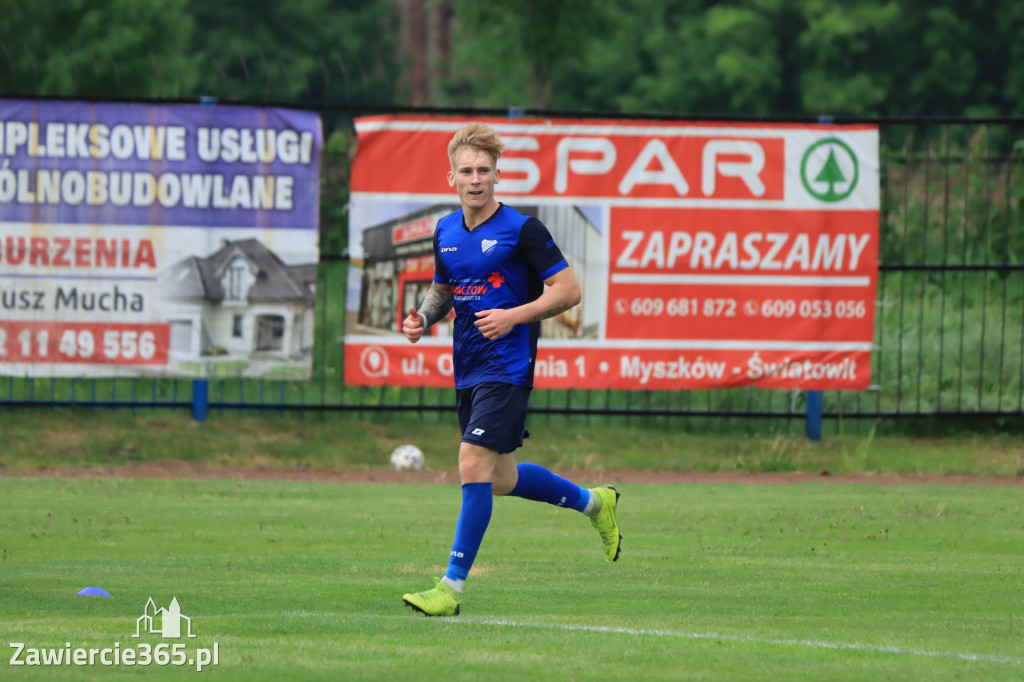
x=443 y=600
x=605 y=522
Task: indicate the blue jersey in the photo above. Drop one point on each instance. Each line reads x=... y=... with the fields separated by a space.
x=501 y=263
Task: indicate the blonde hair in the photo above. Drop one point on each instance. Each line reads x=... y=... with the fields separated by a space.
x=476 y=135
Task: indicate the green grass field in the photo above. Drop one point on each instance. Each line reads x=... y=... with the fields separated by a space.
x=302 y=581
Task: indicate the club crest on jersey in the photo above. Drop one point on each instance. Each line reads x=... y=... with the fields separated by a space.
x=488 y=246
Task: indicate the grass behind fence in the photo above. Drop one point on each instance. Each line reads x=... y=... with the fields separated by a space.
x=62 y=441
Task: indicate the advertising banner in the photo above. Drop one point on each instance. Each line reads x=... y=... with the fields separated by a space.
x=157 y=240
x=710 y=255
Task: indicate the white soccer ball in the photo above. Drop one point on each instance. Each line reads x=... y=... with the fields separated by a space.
x=406 y=457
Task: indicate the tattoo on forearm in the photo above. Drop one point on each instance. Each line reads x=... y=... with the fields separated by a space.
x=436 y=305
x=554 y=312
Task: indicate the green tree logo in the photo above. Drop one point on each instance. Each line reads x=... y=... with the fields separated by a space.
x=829 y=170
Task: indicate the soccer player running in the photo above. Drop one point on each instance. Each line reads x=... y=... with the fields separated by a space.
x=491 y=263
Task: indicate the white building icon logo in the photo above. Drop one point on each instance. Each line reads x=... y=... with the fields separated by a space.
x=166 y=622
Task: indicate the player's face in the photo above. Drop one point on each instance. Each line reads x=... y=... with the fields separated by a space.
x=473 y=177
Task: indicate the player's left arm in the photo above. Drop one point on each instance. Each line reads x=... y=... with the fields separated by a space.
x=561 y=294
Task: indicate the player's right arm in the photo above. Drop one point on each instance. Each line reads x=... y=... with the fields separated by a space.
x=435 y=307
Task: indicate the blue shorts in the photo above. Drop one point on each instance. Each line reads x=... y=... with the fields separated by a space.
x=493 y=415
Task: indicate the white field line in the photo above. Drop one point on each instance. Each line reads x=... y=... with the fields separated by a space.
x=809 y=643
x=678 y=634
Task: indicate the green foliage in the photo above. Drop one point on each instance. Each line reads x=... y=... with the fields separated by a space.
x=335 y=164
x=285 y=50
x=795 y=58
x=230 y=49
x=775 y=58
x=842 y=57
x=526 y=42
x=951 y=194
x=71 y=47
x=686 y=58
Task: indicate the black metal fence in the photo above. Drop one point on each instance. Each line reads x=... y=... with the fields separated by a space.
x=949 y=328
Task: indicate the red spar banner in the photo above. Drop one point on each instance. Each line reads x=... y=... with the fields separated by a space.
x=710 y=255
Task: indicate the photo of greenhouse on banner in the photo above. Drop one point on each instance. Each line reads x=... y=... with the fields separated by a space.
x=710 y=255
x=157 y=240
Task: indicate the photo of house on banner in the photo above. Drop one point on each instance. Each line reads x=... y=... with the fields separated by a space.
x=398 y=268
x=240 y=311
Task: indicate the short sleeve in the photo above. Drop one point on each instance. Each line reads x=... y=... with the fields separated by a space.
x=538 y=248
x=440 y=272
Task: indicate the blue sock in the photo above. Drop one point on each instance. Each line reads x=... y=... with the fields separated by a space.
x=540 y=485
x=474 y=516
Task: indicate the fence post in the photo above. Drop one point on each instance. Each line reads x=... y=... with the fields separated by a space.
x=813 y=415
x=813 y=425
x=200 y=399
